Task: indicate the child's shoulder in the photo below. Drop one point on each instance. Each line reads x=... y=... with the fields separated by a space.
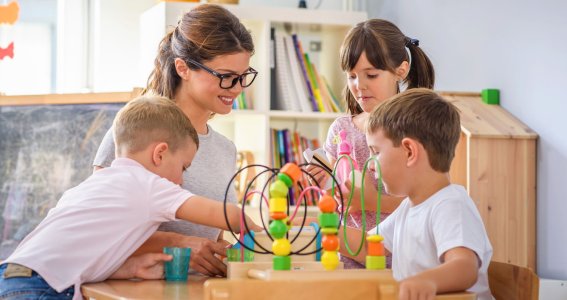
x=343 y=122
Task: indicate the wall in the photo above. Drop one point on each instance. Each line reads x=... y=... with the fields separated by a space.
x=518 y=47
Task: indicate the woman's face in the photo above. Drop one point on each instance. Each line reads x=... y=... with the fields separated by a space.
x=370 y=86
x=203 y=88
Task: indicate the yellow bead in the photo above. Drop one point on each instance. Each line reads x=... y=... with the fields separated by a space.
x=278 y=189
x=281 y=247
x=374 y=238
x=278 y=205
x=375 y=262
x=330 y=260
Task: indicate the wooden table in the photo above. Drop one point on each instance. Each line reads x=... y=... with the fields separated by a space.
x=194 y=290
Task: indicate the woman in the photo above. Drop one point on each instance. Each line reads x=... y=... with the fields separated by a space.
x=202 y=65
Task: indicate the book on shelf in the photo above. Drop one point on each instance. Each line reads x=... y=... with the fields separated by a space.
x=288 y=146
x=297 y=83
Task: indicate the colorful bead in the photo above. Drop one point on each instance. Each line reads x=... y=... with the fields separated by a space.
x=329 y=230
x=278 y=204
x=375 y=262
x=278 y=189
x=330 y=242
x=281 y=247
x=282 y=263
x=374 y=238
x=278 y=215
x=329 y=220
x=277 y=229
x=330 y=260
x=376 y=249
x=327 y=204
x=292 y=170
x=285 y=178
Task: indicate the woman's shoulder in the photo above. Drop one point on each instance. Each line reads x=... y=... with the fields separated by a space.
x=216 y=140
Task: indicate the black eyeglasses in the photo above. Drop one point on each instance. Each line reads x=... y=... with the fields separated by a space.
x=229 y=80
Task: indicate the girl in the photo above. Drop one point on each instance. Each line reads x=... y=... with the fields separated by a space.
x=202 y=65
x=379 y=61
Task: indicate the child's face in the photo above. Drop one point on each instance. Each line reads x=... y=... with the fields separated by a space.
x=203 y=88
x=175 y=163
x=392 y=162
x=370 y=86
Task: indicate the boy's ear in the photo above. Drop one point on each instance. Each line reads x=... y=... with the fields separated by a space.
x=402 y=70
x=411 y=147
x=158 y=153
x=181 y=68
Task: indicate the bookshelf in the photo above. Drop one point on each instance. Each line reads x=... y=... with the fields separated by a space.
x=250 y=129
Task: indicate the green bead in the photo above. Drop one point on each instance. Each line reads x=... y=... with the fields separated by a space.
x=277 y=229
x=329 y=230
x=329 y=220
x=375 y=262
x=286 y=179
x=282 y=263
x=278 y=189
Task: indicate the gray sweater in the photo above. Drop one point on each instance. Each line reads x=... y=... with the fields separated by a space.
x=208 y=176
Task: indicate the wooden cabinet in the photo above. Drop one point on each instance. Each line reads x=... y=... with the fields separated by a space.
x=496 y=162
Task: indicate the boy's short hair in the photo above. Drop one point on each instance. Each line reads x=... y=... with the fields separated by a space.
x=422 y=115
x=150 y=119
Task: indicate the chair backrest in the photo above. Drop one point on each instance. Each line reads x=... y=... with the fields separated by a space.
x=508 y=281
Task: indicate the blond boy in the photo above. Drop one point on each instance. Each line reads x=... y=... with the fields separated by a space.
x=97 y=225
x=436 y=236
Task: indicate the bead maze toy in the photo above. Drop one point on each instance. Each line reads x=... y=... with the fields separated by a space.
x=323 y=242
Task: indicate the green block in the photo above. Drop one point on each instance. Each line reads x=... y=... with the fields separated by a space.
x=277 y=229
x=329 y=220
x=375 y=262
x=491 y=96
x=234 y=254
x=282 y=263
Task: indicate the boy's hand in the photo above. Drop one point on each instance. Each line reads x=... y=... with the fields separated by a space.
x=145 y=266
x=417 y=289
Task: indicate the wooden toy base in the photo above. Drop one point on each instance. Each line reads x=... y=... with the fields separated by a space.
x=240 y=270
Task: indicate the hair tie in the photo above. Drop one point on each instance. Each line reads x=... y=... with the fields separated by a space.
x=410 y=41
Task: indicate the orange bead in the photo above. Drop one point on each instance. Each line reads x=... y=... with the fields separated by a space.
x=375 y=249
x=291 y=170
x=327 y=204
x=278 y=215
x=330 y=242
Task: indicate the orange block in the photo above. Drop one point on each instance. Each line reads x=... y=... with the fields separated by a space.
x=291 y=170
x=376 y=249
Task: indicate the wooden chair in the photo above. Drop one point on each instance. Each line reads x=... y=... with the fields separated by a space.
x=508 y=281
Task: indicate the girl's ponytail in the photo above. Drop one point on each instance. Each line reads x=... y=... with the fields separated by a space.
x=421 y=73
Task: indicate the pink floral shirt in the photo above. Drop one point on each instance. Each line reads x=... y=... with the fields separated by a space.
x=360 y=154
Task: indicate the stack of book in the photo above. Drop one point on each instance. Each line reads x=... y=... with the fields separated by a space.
x=298 y=84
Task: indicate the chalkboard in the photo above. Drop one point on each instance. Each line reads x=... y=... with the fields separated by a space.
x=44 y=150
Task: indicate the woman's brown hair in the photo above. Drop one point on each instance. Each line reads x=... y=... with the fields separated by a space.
x=202 y=34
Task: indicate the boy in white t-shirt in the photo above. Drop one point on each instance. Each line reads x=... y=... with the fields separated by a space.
x=436 y=236
x=96 y=226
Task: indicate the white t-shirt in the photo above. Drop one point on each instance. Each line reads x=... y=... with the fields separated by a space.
x=98 y=224
x=417 y=236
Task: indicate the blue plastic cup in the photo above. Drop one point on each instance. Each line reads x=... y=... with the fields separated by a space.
x=177 y=269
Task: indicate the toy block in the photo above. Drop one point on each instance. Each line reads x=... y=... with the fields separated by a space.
x=491 y=96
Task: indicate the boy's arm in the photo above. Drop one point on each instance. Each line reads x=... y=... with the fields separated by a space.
x=203 y=258
x=458 y=272
x=201 y=210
